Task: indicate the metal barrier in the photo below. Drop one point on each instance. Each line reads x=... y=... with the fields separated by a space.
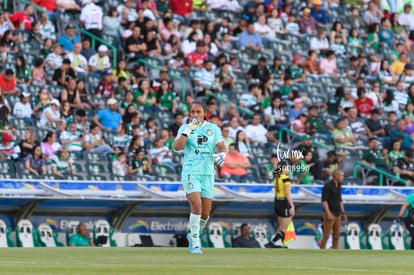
x=381 y=173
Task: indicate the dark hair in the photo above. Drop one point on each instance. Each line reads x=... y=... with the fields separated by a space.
x=201 y=102
x=340 y=91
x=389 y=96
x=111 y=10
x=48 y=135
x=277 y=171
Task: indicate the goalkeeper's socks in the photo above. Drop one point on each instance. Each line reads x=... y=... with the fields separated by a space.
x=195 y=229
x=203 y=223
x=279 y=236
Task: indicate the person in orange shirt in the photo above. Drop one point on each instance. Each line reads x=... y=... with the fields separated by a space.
x=311 y=64
x=235 y=165
x=8 y=83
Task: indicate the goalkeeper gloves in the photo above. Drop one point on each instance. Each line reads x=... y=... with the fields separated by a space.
x=191 y=126
x=219 y=158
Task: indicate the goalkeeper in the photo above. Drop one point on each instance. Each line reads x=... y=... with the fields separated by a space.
x=199 y=140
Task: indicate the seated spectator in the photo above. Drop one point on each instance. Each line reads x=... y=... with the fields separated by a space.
x=400 y=95
x=140 y=164
x=178 y=121
x=161 y=154
x=99 y=63
x=49 y=146
x=373 y=14
x=385 y=34
x=135 y=47
x=82 y=237
x=296 y=110
x=22 y=108
x=266 y=33
x=122 y=139
x=94 y=142
x=8 y=149
x=271 y=167
x=250 y=40
x=374 y=125
x=243 y=144
x=39 y=76
x=332 y=163
x=23 y=73
x=304 y=177
x=120 y=166
x=111 y=23
x=259 y=72
x=389 y=104
x=152 y=45
x=298 y=125
x=108 y=118
x=319 y=14
x=78 y=61
x=311 y=66
x=68 y=6
x=71 y=139
x=307 y=24
x=235 y=126
x=28 y=142
x=363 y=103
x=226 y=79
x=69 y=38
x=385 y=75
x=198 y=57
x=53 y=60
x=253 y=99
x=35 y=163
x=87 y=51
x=225 y=134
x=245 y=240
x=204 y=79
x=275 y=115
x=341 y=135
x=376 y=157
x=23 y=19
x=106 y=86
x=167 y=100
x=62 y=163
x=320 y=43
x=398 y=66
x=357 y=125
x=65 y=72
x=50 y=117
x=406 y=142
x=295 y=71
x=317 y=125
x=355 y=18
x=257 y=133
x=8 y=83
x=292 y=25
x=328 y=65
x=189 y=45
x=146 y=97
x=391 y=123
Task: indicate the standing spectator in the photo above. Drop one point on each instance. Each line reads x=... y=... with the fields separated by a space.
x=23 y=19
x=406 y=214
x=69 y=38
x=333 y=209
x=109 y=118
x=91 y=17
x=8 y=83
x=244 y=240
x=250 y=40
x=183 y=9
x=283 y=204
x=235 y=165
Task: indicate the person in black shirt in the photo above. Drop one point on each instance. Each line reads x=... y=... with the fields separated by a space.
x=244 y=240
x=333 y=209
x=260 y=71
x=64 y=73
x=178 y=121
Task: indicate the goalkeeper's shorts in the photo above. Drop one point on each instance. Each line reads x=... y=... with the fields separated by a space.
x=203 y=184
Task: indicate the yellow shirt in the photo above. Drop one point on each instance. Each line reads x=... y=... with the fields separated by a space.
x=397 y=67
x=280 y=185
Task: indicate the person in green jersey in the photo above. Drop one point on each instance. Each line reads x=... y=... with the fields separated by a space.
x=199 y=140
x=81 y=238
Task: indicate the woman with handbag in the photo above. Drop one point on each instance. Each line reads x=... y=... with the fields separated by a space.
x=407 y=214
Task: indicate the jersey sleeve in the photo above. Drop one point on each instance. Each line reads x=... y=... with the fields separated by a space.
x=218 y=137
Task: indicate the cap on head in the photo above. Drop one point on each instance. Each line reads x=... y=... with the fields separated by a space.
x=55 y=102
x=112 y=101
x=102 y=48
x=6 y=138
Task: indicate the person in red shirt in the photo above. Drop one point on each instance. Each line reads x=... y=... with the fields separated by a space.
x=235 y=165
x=49 y=5
x=182 y=8
x=8 y=83
x=363 y=103
x=197 y=57
x=23 y=20
x=106 y=87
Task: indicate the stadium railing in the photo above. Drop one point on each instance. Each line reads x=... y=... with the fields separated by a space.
x=381 y=174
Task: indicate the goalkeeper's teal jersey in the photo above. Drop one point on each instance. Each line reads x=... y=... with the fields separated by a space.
x=199 y=149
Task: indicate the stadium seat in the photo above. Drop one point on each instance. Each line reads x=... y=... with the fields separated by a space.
x=261 y=235
x=217 y=236
x=71 y=230
x=375 y=237
x=353 y=237
x=26 y=234
x=48 y=237
x=5 y=231
x=397 y=237
x=102 y=234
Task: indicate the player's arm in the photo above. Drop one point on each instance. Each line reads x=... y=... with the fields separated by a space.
x=183 y=132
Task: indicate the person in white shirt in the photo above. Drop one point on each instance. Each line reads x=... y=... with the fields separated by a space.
x=95 y=143
x=46 y=28
x=22 y=108
x=406 y=19
x=132 y=13
x=257 y=133
x=91 y=17
x=216 y=4
x=71 y=138
x=148 y=13
x=233 y=5
x=120 y=167
x=99 y=62
x=266 y=33
x=50 y=117
x=319 y=43
x=78 y=61
x=54 y=60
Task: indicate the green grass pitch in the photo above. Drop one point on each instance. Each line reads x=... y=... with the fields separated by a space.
x=214 y=261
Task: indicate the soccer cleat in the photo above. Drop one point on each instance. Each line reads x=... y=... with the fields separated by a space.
x=196 y=250
x=190 y=242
